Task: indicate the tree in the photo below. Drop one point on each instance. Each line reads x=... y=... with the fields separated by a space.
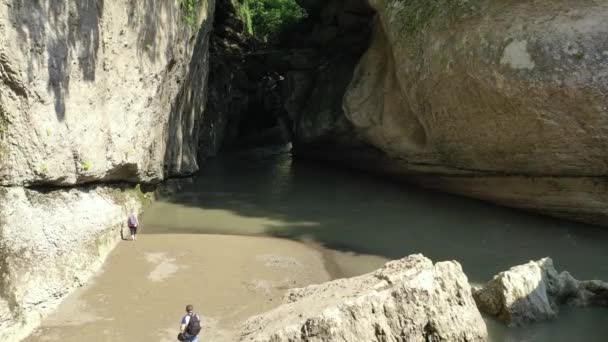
x=269 y=17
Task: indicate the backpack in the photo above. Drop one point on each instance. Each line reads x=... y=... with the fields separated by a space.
x=194 y=326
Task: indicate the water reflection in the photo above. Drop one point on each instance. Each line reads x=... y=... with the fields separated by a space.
x=354 y=212
x=359 y=214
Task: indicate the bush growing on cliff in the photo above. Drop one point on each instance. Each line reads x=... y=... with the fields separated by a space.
x=262 y=18
x=189 y=8
x=244 y=13
x=269 y=17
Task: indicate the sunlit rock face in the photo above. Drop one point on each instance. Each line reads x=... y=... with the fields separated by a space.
x=91 y=91
x=505 y=101
x=410 y=299
x=52 y=242
x=100 y=90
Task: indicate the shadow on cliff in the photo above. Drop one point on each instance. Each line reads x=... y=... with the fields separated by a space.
x=150 y=18
x=187 y=110
x=49 y=31
x=357 y=213
x=52 y=32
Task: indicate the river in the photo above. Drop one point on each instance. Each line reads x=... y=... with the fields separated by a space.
x=247 y=227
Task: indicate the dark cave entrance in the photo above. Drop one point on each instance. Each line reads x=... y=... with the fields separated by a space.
x=263 y=88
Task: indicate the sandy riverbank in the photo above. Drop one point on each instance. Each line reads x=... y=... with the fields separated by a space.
x=141 y=292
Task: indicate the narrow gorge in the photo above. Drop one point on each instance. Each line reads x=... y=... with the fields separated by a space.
x=359 y=132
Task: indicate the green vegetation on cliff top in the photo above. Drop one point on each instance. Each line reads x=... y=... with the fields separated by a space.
x=189 y=10
x=244 y=13
x=415 y=15
x=262 y=18
x=266 y=18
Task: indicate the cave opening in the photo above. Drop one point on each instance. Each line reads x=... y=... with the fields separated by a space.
x=278 y=78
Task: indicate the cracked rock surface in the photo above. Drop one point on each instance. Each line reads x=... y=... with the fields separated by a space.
x=410 y=299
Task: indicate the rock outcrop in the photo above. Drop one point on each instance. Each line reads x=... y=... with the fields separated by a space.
x=243 y=93
x=504 y=101
x=533 y=292
x=91 y=92
x=407 y=300
x=97 y=91
x=321 y=54
x=228 y=85
x=52 y=242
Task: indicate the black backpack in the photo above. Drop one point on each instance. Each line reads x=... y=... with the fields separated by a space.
x=194 y=326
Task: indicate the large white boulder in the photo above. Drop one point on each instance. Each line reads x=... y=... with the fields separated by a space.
x=533 y=292
x=407 y=300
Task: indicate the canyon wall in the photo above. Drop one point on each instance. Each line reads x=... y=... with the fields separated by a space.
x=100 y=91
x=93 y=94
x=53 y=241
x=500 y=100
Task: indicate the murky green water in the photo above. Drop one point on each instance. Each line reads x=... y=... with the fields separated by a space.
x=363 y=215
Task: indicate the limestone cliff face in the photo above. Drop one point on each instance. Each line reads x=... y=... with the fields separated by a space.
x=97 y=90
x=52 y=242
x=500 y=100
x=91 y=91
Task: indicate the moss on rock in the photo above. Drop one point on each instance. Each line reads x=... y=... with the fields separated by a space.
x=416 y=15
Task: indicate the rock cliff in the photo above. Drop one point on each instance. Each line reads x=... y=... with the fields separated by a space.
x=504 y=101
x=321 y=55
x=96 y=91
x=93 y=94
x=52 y=242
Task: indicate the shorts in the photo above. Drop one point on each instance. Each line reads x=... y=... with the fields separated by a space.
x=133 y=230
x=192 y=339
x=188 y=338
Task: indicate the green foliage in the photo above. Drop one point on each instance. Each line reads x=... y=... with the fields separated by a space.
x=86 y=165
x=189 y=10
x=141 y=196
x=124 y=194
x=415 y=15
x=244 y=13
x=269 y=17
x=262 y=18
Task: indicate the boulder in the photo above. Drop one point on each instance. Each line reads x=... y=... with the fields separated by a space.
x=407 y=300
x=504 y=101
x=533 y=292
x=591 y=293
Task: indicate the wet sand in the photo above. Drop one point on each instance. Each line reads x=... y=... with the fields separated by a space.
x=142 y=290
